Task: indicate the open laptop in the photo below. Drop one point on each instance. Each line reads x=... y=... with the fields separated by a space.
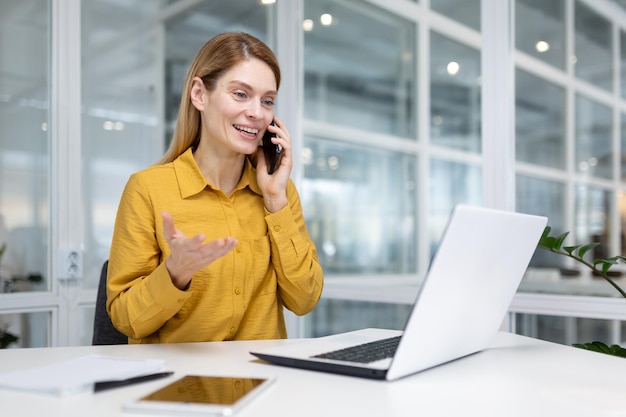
x=460 y=305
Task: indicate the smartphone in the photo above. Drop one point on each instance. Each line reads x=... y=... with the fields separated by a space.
x=273 y=153
x=201 y=395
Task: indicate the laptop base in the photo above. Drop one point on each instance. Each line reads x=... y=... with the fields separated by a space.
x=334 y=368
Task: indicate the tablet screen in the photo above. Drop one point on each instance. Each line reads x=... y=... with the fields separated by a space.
x=195 y=393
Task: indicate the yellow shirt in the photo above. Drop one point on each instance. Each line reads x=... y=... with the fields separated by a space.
x=239 y=296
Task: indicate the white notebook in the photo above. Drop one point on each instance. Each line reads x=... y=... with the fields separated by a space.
x=77 y=375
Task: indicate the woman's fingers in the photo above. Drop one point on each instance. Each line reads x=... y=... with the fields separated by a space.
x=217 y=248
x=168 y=226
x=189 y=255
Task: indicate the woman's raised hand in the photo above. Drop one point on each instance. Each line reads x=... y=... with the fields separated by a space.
x=189 y=254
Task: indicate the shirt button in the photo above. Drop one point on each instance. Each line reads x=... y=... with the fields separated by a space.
x=232 y=330
x=237 y=290
x=277 y=228
x=238 y=248
x=237 y=384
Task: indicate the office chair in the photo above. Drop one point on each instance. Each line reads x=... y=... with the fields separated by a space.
x=103 y=331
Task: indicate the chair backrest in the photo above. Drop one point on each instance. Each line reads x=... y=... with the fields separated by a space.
x=103 y=331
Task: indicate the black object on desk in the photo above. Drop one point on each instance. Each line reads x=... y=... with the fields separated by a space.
x=105 y=385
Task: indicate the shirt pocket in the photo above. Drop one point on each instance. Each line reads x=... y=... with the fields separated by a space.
x=260 y=274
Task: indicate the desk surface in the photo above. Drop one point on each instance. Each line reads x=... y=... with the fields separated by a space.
x=516 y=376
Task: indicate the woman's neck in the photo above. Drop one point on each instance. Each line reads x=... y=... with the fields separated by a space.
x=221 y=169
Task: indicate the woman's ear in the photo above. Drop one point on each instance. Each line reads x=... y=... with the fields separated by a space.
x=196 y=94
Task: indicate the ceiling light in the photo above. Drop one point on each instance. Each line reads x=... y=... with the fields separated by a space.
x=333 y=163
x=326 y=19
x=453 y=67
x=542 y=46
x=306 y=156
x=307 y=25
x=268 y=1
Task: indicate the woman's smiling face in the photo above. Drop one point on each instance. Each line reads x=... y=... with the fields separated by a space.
x=241 y=106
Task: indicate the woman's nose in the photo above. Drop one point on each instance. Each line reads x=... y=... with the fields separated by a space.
x=254 y=110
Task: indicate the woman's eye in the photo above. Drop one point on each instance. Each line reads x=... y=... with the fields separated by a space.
x=268 y=103
x=240 y=94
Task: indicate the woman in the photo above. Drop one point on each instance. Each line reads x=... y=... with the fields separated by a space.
x=206 y=246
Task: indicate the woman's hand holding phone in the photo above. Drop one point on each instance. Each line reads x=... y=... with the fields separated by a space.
x=274 y=178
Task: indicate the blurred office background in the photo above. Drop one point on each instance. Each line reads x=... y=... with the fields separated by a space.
x=399 y=109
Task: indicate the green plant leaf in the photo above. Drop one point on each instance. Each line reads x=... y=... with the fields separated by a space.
x=34 y=278
x=595 y=346
x=6 y=339
x=600 y=347
x=545 y=239
x=560 y=239
x=552 y=243
x=570 y=249
x=586 y=248
x=617 y=350
x=606 y=264
x=613 y=260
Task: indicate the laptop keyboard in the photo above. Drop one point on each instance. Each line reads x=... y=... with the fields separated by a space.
x=366 y=352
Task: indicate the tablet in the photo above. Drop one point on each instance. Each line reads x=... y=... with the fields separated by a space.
x=199 y=395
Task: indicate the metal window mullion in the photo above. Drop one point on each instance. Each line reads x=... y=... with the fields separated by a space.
x=614 y=214
x=65 y=135
x=289 y=45
x=423 y=179
x=498 y=101
x=570 y=113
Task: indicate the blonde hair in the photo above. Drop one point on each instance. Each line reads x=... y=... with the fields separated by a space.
x=217 y=56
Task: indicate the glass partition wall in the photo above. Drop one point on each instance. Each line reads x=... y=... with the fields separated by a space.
x=25 y=170
x=388 y=125
x=361 y=201
x=570 y=154
x=567 y=109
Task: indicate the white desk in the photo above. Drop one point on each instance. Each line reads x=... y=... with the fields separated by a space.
x=517 y=376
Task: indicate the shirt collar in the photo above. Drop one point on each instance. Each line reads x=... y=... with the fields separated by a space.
x=191 y=181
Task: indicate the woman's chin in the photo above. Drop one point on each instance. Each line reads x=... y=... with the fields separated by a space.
x=249 y=148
